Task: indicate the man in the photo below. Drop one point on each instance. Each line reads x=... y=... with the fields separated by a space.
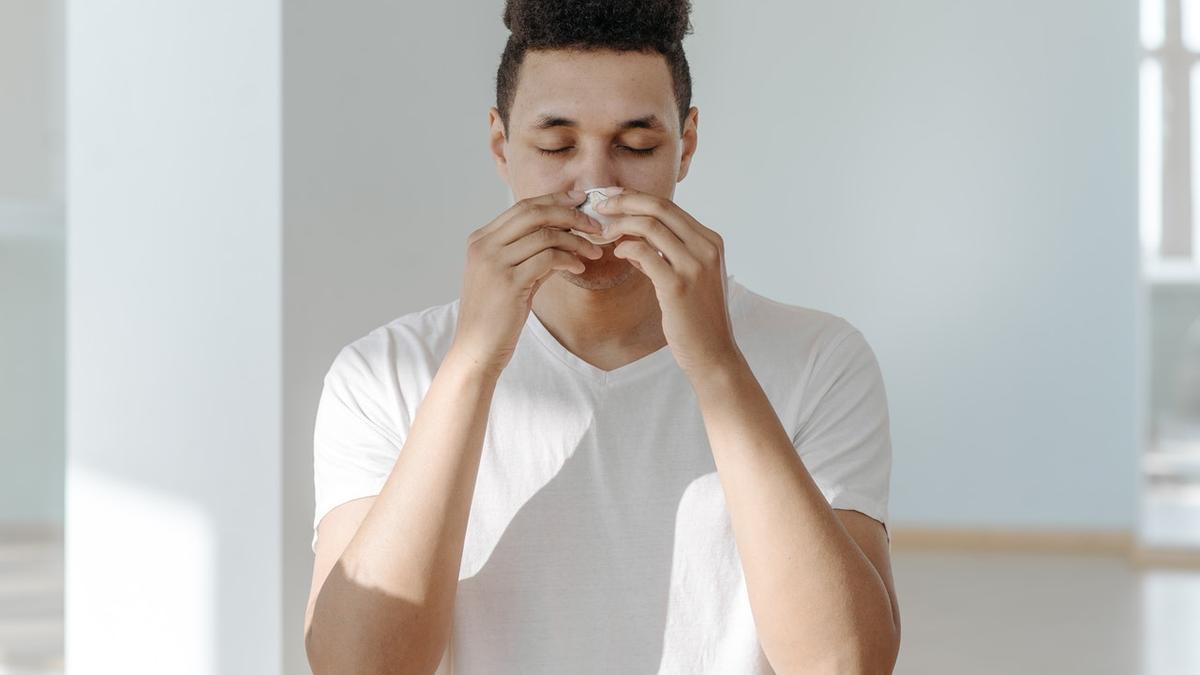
x=609 y=459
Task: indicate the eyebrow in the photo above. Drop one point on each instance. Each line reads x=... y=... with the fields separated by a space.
x=646 y=122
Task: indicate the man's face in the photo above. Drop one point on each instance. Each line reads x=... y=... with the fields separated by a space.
x=598 y=109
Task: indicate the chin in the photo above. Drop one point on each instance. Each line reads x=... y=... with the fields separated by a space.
x=601 y=274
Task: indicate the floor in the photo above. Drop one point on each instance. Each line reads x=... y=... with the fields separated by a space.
x=31 y=604
x=1006 y=613
x=962 y=613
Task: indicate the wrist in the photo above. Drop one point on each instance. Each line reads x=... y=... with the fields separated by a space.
x=464 y=364
x=721 y=375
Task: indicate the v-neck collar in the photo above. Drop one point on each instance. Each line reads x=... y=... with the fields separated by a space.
x=650 y=363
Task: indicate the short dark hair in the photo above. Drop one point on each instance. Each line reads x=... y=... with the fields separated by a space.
x=588 y=25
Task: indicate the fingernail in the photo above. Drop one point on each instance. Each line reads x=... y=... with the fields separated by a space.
x=576 y=194
x=615 y=190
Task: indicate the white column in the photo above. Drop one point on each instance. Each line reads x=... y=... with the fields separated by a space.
x=174 y=337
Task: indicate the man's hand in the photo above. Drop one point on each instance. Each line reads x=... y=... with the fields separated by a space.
x=686 y=262
x=507 y=261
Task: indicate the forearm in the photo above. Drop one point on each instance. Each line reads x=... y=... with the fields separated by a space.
x=390 y=608
x=815 y=596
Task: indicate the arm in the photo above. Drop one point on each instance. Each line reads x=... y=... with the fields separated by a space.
x=822 y=602
x=385 y=603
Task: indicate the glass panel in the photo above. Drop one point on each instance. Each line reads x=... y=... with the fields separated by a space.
x=1190 y=16
x=1195 y=161
x=1150 y=160
x=1152 y=23
x=1170 y=622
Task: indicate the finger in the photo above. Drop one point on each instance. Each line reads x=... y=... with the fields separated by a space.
x=660 y=237
x=634 y=203
x=542 y=264
x=642 y=256
x=541 y=216
x=564 y=198
x=549 y=199
x=543 y=238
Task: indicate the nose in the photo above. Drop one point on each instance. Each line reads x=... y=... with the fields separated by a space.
x=594 y=167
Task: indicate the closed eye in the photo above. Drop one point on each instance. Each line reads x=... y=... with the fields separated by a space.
x=638 y=151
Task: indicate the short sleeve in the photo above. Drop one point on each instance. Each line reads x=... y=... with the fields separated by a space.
x=353 y=448
x=846 y=441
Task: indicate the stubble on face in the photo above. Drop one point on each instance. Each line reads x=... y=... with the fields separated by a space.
x=604 y=273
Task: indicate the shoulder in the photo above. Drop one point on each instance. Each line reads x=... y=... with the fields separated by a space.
x=409 y=341
x=778 y=332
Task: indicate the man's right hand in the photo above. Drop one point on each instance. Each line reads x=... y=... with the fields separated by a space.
x=507 y=261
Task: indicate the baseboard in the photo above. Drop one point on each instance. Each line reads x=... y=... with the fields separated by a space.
x=1186 y=558
x=1105 y=543
x=13 y=531
x=1100 y=542
x=1108 y=543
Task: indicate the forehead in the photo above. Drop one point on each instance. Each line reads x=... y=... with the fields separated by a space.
x=596 y=87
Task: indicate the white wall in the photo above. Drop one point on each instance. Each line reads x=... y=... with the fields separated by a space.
x=32 y=304
x=958 y=180
x=174 y=338
x=32 y=373
x=31 y=140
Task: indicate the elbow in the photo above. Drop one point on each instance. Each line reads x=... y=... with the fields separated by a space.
x=881 y=661
x=875 y=655
x=871 y=655
x=874 y=652
x=343 y=655
x=844 y=664
x=356 y=629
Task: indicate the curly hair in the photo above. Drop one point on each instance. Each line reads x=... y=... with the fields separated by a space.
x=586 y=25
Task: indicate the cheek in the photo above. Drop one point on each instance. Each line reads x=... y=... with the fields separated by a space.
x=656 y=172
x=534 y=178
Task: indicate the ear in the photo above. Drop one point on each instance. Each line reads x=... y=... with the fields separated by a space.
x=689 y=141
x=498 y=142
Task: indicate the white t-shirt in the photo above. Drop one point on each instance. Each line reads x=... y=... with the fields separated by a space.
x=598 y=539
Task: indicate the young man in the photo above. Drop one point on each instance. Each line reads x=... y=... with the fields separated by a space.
x=608 y=459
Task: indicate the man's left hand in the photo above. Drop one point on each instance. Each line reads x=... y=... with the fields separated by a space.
x=688 y=276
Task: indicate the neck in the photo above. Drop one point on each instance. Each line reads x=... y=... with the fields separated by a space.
x=623 y=320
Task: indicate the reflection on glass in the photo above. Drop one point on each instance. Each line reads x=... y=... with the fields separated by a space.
x=1190 y=18
x=1170 y=622
x=1195 y=155
x=1150 y=161
x=1152 y=24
